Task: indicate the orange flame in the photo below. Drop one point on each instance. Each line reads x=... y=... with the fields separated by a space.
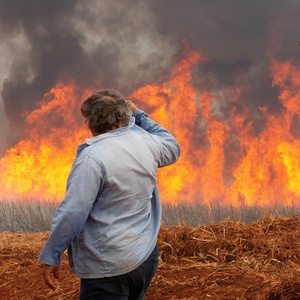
x=37 y=167
x=221 y=160
x=177 y=115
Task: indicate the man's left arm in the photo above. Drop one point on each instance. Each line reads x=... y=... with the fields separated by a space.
x=71 y=215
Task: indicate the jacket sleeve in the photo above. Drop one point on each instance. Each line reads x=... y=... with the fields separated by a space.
x=83 y=186
x=170 y=149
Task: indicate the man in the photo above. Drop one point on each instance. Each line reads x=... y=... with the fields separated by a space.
x=110 y=216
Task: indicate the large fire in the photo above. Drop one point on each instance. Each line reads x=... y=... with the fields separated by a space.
x=222 y=161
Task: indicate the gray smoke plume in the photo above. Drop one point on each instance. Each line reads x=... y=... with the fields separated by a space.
x=127 y=44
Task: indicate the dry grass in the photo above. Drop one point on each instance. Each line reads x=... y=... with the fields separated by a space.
x=227 y=260
x=30 y=215
x=234 y=260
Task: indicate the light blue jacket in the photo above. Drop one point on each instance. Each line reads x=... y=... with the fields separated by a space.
x=111 y=213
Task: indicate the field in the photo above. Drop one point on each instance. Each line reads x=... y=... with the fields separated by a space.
x=225 y=260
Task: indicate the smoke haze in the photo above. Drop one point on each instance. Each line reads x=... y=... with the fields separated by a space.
x=127 y=44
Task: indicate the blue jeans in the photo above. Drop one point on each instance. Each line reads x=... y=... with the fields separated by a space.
x=129 y=286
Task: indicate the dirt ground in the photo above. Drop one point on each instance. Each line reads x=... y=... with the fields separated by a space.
x=229 y=260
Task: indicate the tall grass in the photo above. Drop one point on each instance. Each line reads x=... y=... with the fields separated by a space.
x=35 y=216
x=196 y=213
x=26 y=215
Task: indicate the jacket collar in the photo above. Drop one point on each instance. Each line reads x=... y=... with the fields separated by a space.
x=111 y=133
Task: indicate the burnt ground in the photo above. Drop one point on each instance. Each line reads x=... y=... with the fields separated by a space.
x=229 y=260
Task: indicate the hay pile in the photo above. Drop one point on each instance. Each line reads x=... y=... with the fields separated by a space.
x=234 y=260
x=228 y=260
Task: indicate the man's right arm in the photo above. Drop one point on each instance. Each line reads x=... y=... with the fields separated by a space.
x=170 y=146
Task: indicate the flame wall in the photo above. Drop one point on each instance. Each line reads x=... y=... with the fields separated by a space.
x=225 y=157
x=231 y=97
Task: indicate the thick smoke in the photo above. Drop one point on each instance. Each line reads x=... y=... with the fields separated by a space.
x=127 y=44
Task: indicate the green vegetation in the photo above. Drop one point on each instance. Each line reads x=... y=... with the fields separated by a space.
x=35 y=216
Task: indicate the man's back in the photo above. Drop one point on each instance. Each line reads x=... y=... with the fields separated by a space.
x=120 y=224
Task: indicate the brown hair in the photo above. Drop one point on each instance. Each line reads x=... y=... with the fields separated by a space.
x=105 y=110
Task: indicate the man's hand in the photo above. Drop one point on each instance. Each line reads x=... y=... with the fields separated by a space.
x=47 y=275
x=131 y=105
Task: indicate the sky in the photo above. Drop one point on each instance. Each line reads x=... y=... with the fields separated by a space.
x=128 y=44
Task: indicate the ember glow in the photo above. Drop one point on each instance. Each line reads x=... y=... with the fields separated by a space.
x=224 y=160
